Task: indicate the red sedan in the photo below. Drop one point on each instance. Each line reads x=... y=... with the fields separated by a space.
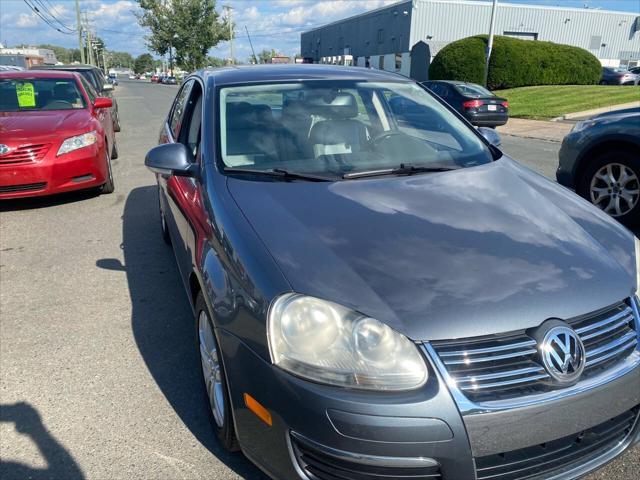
x=56 y=135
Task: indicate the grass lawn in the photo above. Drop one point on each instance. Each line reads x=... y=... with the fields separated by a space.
x=550 y=101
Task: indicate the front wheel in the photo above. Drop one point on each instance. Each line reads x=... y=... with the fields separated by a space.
x=612 y=183
x=108 y=186
x=214 y=377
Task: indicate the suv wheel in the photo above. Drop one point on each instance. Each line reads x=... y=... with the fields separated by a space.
x=612 y=183
x=215 y=380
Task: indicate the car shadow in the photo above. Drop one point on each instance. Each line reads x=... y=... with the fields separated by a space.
x=163 y=324
x=27 y=421
x=31 y=203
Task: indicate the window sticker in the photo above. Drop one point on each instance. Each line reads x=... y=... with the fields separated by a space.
x=26 y=94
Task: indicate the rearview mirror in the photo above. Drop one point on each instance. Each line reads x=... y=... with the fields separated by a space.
x=172 y=159
x=102 y=102
x=490 y=135
x=107 y=87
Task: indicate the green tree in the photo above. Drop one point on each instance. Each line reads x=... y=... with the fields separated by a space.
x=191 y=27
x=120 y=59
x=143 y=63
x=215 y=62
x=265 y=55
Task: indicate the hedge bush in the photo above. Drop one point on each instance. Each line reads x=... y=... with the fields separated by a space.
x=515 y=63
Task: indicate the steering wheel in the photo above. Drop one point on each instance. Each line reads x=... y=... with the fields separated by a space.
x=58 y=105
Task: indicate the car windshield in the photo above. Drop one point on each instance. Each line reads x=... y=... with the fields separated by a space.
x=339 y=128
x=471 y=90
x=28 y=94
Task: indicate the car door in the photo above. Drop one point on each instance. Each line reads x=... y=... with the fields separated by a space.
x=181 y=200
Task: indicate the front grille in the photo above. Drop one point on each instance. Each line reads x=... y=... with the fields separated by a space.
x=506 y=366
x=540 y=461
x=320 y=466
x=22 y=188
x=25 y=154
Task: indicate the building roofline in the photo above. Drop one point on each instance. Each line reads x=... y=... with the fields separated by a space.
x=358 y=15
x=474 y=2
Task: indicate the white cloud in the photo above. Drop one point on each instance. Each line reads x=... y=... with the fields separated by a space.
x=26 y=20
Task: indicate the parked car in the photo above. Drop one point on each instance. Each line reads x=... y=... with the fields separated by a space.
x=56 y=135
x=113 y=79
x=379 y=298
x=132 y=76
x=155 y=78
x=600 y=159
x=95 y=77
x=635 y=70
x=474 y=102
x=170 y=81
x=618 y=76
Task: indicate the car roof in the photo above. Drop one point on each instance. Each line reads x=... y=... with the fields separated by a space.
x=295 y=72
x=73 y=66
x=37 y=74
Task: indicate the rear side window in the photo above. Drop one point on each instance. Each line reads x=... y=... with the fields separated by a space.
x=91 y=93
x=179 y=107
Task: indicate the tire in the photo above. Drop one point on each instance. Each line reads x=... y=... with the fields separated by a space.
x=114 y=149
x=163 y=222
x=206 y=340
x=108 y=186
x=603 y=82
x=611 y=181
x=116 y=122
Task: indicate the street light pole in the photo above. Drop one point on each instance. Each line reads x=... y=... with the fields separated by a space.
x=228 y=8
x=494 y=9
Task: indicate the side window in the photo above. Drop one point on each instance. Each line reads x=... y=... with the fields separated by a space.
x=190 y=134
x=91 y=93
x=179 y=107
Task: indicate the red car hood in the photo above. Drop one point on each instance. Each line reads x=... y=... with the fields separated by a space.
x=28 y=126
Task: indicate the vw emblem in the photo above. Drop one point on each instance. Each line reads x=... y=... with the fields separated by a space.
x=4 y=149
x=563 y=354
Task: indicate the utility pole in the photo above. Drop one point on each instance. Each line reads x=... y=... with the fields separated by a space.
x=79 y=27
x=87 y=31
x=228 y=8
x=255 y=59
x=490 y=44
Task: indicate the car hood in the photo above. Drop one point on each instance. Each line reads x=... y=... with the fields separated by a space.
x=28 y=126
x=476 y=251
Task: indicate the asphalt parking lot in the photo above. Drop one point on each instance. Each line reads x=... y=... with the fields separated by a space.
x=98 y=368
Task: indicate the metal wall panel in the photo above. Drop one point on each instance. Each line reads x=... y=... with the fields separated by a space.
x=439 y=22
x=447 y=21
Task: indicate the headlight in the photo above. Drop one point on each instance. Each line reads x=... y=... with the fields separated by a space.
x=328 y=343
x=79 y=141
x=582 y=125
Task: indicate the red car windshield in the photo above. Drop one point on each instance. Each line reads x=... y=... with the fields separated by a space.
x=29 y=94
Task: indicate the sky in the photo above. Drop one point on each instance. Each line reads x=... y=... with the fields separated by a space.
x=272 y=23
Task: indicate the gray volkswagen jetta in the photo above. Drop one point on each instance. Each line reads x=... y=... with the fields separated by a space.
x=388 y=296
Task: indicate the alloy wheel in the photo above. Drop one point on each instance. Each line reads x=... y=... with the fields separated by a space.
x=211 y=369
x=615 y=189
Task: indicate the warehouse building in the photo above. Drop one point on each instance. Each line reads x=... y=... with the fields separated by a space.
x=405 y=36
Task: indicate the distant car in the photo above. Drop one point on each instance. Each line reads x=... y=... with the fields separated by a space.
x=635 y=70
x=155 y=79
x=477 y=104
x=171 y=81
x=600 y=159
x=618 y=76
x=113 y=80
x=132 y=77
x=95 y=77
x=57 y=135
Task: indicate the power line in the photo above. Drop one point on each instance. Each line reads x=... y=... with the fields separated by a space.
x=45 y=11
x=45 y=20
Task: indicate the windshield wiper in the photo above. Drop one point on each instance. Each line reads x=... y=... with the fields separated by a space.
x=403 y=169
x=280 y=173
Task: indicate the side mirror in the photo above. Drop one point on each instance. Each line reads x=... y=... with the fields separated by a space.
x=102 y=102
x=490 y=136
x=107 y=87
x=172 y=159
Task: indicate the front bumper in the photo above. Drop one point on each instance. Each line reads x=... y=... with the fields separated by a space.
x=420 y=433
x=80 y=169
